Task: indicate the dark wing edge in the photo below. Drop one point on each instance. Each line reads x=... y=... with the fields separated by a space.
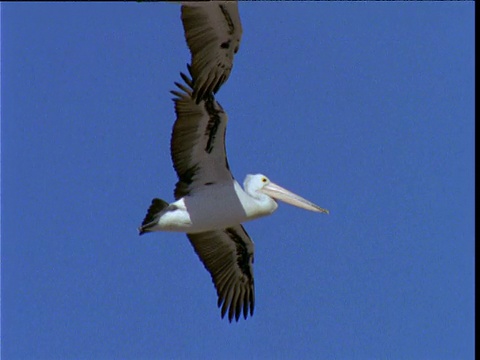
x=228 y=255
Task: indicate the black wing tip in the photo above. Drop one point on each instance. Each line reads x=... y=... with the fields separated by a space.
x=189 y=68
x=200 y=93
x=196 y=93
x=236 y=312
x=188 y=80
x=186 y=91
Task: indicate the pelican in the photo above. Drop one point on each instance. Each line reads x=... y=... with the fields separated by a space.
x=210 y=204
x=213 y=32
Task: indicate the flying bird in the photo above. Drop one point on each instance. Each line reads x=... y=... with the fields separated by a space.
x=213 y=32
x=210 y=204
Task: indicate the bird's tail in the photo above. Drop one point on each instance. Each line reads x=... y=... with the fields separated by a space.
x=157 y=206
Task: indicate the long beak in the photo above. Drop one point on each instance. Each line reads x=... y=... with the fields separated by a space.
x=279 y=193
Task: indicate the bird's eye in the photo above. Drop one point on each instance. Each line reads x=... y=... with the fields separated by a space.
x=264 y=180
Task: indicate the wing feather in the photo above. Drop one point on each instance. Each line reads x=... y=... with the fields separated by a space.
x=198 y=141
x=213 y=32
x=227 y=254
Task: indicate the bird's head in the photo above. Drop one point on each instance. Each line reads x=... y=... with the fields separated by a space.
x=258 y=185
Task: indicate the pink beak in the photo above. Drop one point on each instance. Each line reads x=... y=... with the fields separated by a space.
x=277 y=192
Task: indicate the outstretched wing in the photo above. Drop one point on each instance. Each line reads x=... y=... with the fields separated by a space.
x=227 y=254
x=198 y=141
x=213 y=32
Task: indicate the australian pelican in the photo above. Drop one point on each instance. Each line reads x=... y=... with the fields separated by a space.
x=210 y=205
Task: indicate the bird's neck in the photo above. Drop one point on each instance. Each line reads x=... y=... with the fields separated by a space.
x=256 y=206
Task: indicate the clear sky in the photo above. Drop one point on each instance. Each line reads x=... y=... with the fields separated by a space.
x=366 y=108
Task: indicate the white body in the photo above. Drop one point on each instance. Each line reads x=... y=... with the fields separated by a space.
x=213 y=207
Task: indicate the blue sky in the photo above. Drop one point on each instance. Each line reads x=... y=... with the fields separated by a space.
x=365 y=108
